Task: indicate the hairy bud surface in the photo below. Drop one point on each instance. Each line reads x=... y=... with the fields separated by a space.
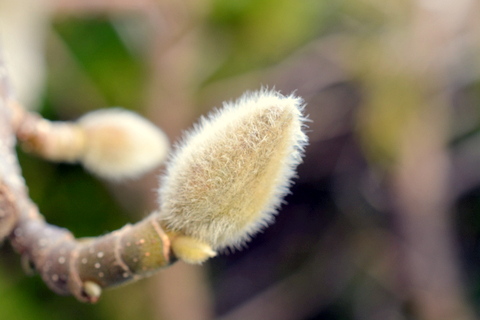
x=227 y=178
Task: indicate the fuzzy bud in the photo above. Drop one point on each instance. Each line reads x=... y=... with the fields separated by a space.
x=230 y=173
x=120 y=144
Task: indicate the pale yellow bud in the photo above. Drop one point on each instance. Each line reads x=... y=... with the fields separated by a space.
x=121 y=144
x=229 y=175
x=191 y=250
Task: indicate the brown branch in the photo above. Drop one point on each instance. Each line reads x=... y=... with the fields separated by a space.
x=56 y=141
x=11 y=183
x=69 y=266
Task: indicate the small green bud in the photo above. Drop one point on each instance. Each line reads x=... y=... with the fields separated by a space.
x=227 y=178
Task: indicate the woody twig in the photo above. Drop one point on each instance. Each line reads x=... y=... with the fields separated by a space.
x=250 y=148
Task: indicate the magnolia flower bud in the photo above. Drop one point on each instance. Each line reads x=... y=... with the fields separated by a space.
x=230 y=173
x=121 y=144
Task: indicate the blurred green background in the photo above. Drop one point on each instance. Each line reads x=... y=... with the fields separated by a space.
x=384 y=219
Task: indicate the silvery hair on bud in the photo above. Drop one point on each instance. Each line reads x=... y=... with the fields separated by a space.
x=230 y=173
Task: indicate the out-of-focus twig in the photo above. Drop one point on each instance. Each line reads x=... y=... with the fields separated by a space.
x=412 y=71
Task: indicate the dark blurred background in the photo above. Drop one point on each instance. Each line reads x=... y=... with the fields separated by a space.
x=383 y=221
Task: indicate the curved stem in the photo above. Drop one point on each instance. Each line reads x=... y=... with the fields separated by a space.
x=71 y=266
x=68 y=266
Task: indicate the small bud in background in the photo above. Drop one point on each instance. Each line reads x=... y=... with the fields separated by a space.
x=120 y=144
x=230 y=173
